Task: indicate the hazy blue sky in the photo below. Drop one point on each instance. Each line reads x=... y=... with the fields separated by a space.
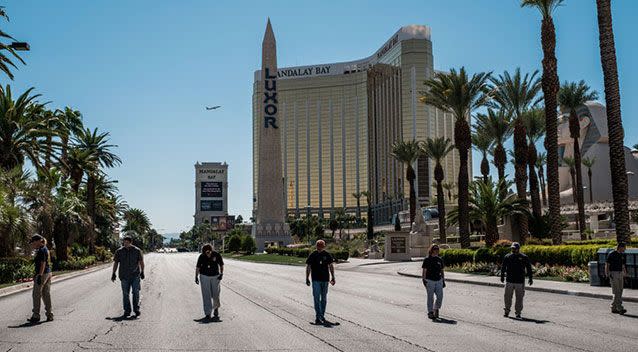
x=145 y=69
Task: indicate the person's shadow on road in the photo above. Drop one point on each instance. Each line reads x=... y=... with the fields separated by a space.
x=530 y=320
x=120 y=318
x=207 y=320
x=25 y=325
x=630 y=316
x=444 y=321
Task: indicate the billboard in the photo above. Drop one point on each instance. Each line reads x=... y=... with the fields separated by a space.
x=211 y=189
x=222 y=223
x=211 y=205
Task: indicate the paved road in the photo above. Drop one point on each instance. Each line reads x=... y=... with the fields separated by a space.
x=268 y=308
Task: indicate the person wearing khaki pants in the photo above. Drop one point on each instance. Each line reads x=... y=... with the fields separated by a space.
x=42 y=279
x=515 y=266
x=616 y=270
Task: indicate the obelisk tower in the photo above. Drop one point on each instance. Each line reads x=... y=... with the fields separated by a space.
x=270 y=226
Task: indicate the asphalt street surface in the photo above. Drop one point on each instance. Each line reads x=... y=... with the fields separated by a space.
x=269 y=308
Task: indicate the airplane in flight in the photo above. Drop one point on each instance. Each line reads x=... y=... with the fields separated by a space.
x=214 y=107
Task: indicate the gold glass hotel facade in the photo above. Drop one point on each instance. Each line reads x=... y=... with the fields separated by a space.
x=338 y=122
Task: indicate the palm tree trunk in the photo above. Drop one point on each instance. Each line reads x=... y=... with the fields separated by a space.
x=579 y=190
x=485 y=167
x=358 y=208
x=591 y=190
x=500 y=159
x=543 y=186
x=491 y=233
x=520 y=174
x=440 y=201
x=550 y=86
x=463 y=141
x=572 y=173
x=47 y=154
x=411 y=176
x=619 y=183
x=533 y=182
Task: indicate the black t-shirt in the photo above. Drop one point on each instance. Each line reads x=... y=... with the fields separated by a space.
x=515 y=266
x=128 y=259
x=42 y=256
x=433 y=268
x=319 y=265
x=616 y=260
x=209 y=266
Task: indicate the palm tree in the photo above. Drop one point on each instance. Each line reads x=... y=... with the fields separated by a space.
x=136 y=220
x=370 y=222
x=535 y=127
x=571 y=164
x=18 y=132
x=550 y=86
x=5 y=60
x=71 y=124
x=407 y=152
x=15 y=222
x=570 y=97
x=437 y=149
x=619 y=184
x=541 y=160
x=589 y=164
x=482 y=142
x=498 y=124
x=99 y=149
x=459 y=94
x=487 y=208
x=357 y=196
x=517 y=94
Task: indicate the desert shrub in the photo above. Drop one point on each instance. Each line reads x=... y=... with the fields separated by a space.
x=234 y=243
x=15 y=269
x=76 y=263
x=102 y=254
x=248 y=244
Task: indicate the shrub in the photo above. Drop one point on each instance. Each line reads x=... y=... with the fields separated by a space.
x=234 y=243
x=102 y=254
x=248 y=244
x=341 y=255
x=76 y=263
x=473 y=268
x=15 y=269
x=457 y=256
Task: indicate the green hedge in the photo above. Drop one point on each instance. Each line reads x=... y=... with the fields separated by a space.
x=569 y=255
x=457 y=256
x=305 y=252
x=16 y=269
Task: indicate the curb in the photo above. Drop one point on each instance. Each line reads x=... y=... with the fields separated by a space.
x=533 y=288
x=21 y=287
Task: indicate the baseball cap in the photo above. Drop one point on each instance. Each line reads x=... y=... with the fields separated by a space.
x=516 y=245
x=36 y=238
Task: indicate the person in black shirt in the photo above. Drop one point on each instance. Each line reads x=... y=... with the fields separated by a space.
x=616 y=270
x=319 y=264
x=130 y=262
x=515 y=265
x=42 y=279
x=433 y=280
x=208 y=274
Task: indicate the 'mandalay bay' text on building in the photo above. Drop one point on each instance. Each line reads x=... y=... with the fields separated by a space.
x=338 y=122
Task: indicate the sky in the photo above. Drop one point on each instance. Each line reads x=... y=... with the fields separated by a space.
x=144 y=70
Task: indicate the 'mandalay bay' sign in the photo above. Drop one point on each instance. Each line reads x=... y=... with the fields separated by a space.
x=270 y=100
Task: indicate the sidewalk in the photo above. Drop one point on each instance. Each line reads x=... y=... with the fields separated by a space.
x=20 y=287
x=413 y=269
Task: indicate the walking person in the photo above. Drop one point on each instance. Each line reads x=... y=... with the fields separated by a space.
x=433 y=280
x=130 y=261
x=208 y=274
x=42 y=279
x=616 y=270
x=515 y=266
x=320 y=265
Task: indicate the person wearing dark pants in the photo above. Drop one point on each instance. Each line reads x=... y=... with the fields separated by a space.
x=208 y=274
x=616 y=270
x=433 y=280
x=320 y=265
x=130 y=261
x=42 y=279
x=515 y=266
